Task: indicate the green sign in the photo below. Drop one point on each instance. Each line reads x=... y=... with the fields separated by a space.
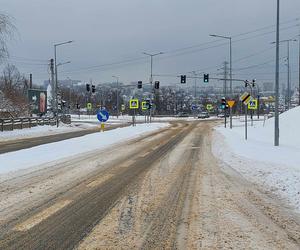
x=89 y=106
x=209 y=107
x=38 y=101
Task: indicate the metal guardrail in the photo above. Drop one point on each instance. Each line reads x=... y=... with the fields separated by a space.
x=9 y=124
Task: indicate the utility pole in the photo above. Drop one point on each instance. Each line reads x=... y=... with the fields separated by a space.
x=230 y=54
x=117 y=95
x=288 y=76
x=30 y=81
x=151 y=73
x=225 y=78
x=299 y=69
x=53 y=104
x=276 y=129
x=195 y=85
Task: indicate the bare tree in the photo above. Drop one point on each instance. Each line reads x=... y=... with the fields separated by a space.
x=7 y=29
x=12 y=84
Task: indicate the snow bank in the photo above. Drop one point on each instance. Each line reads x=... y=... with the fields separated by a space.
x=38 y=131
x=51 y=152
x=276 y=168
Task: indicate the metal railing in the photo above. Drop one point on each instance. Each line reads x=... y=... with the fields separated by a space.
x=9 y=124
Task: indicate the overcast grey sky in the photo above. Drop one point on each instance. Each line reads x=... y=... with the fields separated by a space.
x=118 y=30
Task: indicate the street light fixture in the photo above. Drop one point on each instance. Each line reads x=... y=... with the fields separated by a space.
x=151 y=71
x=230 y=52
x=117 y=95
x=56 y=81
x=60 y=64
x=288 y=71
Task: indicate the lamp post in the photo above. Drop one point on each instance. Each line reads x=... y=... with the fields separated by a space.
x=117 y=95
x=288 y=70
x=276 y=125
x=56 y=83
x=230 y=53
x=151 y=72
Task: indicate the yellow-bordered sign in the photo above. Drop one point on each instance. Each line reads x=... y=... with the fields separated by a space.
x=209 y=106
x=134 y=104
x=231 y=103
x=89 y=106
x=253 y=104
x=246 y=98
x=145 y=106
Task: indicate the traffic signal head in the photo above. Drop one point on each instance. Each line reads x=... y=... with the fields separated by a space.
x=93 y=88
x=206 y=78
x=88 y=87
x=183 y=79
x=140 y=84
x=223 y=103
x=156 y=84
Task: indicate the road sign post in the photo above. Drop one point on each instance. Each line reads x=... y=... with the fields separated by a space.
x=133 y=104
x=102 y=116
x=246 y=125
x=231 y=104
x=246 y=98
x=252 y=105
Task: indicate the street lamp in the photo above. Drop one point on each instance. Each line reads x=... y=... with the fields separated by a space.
x=276 y=125
x=288 y=69
x=117 y=95
x=59 y=64
x=151 y=64
x=151 y=72
x=230 y=52
x=56 y=83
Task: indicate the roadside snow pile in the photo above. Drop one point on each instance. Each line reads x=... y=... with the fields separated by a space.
x=276 y=168
x=53 y=152
x=37 y=131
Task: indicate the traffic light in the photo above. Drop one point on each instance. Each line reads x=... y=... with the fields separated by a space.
x=253 y=82
x=93 y=88
x=77 y=106
x=140 y=84
x=206 y=78
x=88 y=87
x=156 y=84
x=223 y=103
x=183 y=79
x=149 y=104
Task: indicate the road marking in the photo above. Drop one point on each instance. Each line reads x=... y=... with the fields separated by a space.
x=99 y=180
x=127 y=163
x=38 y=218
x=145 y=154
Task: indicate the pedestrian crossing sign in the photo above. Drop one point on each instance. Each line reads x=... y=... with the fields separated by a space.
x=134 y=104
x=253 y=104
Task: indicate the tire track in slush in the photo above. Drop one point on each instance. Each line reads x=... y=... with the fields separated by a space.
x=68 y=226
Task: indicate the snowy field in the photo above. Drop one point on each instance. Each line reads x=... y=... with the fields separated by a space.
x=52 y=152
x=275 y=168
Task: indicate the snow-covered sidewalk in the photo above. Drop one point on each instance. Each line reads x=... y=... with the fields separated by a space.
x=277 y=169
x=37 y=156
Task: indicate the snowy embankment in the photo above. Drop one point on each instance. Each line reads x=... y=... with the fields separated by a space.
x=37 y=156
x=41 y=131
x=277 y=169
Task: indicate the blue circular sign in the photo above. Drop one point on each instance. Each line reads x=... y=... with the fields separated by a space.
x=194 y=107
x=102 y=115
